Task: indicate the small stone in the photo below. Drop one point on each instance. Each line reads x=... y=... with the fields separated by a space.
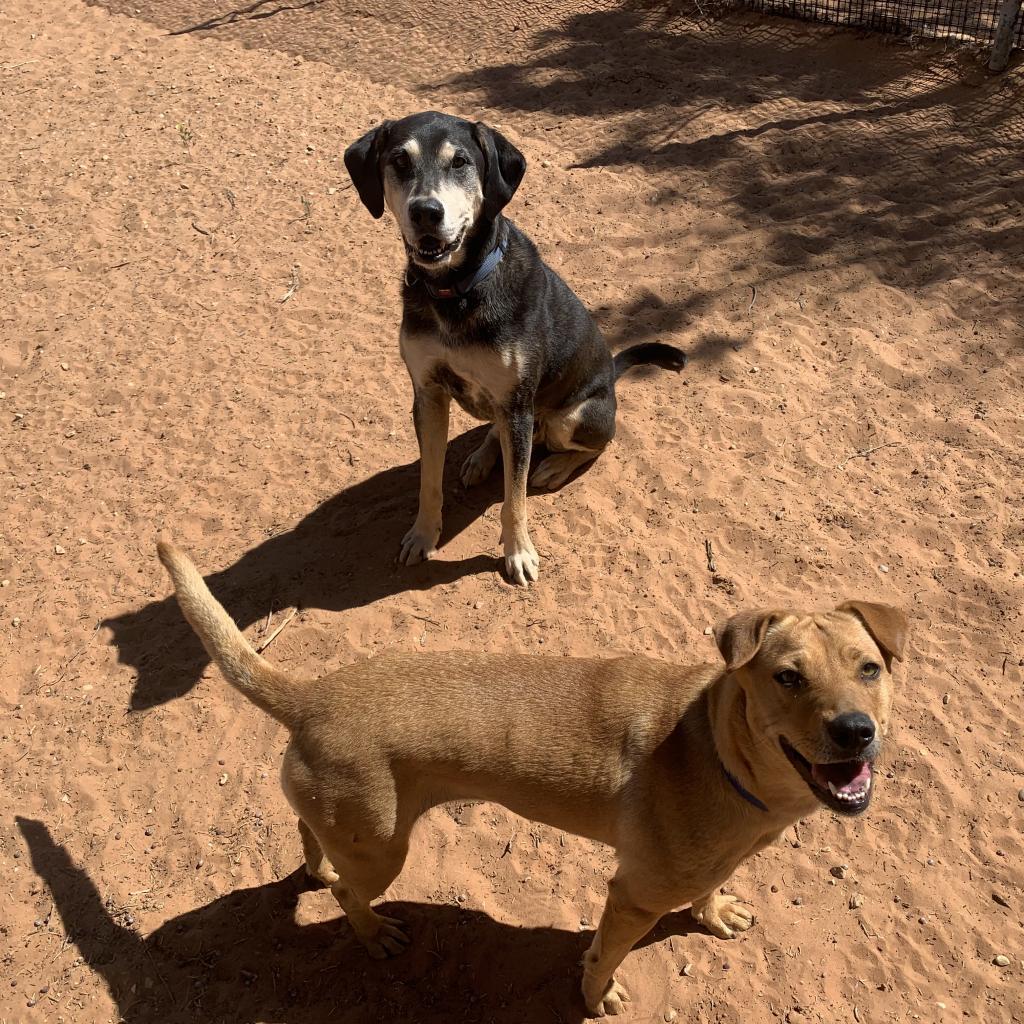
x=15 y=622
x=670 y=1015
x=63 y=366
x=778 y=516
x=883 y=568
x=461 y=898
x=687 y=970
x=774 y=888
x=726 y=966
x=70 y=432
x=1001 y=900
x=223 y=780
x=754 y=369
x=922 y=919
x=945 y=698
x=1020 y=795
x=931 y=862
x=1002 y=960
x=148 y=832
x=58 y=550
x=856 y=901
x=708 y=631
x=199 y=863
x=798 y=901
x=1000 y=853
x=839 y=871
x=5 y=583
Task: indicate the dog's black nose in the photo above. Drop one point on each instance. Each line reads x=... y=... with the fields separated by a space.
x=426 y=213
x=852 y=732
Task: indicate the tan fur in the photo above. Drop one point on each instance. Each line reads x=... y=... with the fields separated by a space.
x=628 y=751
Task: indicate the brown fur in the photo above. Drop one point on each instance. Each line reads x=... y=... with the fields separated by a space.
x=628 y=751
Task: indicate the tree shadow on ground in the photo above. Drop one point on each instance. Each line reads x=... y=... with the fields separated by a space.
x=244 y=957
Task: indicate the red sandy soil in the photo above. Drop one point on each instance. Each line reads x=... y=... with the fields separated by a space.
x=200 y=336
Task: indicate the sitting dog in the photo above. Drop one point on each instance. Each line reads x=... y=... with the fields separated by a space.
x=485 y=321
x=687 y=772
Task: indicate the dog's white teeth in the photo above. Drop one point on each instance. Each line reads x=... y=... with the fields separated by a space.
x=834 y=789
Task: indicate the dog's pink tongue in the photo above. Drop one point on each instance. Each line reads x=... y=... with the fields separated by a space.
x=846 y=775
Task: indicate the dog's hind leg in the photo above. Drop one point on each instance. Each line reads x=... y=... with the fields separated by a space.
x=479 y=465
x=317 y=865
x=366 y=869
x=576 y=436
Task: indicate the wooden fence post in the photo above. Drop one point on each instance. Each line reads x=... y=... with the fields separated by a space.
x=1004 y=35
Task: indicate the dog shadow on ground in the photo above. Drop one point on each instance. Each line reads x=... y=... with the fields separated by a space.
x=243 y=958
x=340 y=556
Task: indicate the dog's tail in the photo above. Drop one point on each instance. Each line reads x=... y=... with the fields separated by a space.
x=263 y=684
x=666 y=356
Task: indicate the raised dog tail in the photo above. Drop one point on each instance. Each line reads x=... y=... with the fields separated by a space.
x=666 y=356
x=263 y=684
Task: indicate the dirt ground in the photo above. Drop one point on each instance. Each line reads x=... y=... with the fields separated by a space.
x=199 y=335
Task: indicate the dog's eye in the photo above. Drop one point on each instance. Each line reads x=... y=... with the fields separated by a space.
x=401 y=161
x=459 y=161
x=788 y=677
x=870 y=670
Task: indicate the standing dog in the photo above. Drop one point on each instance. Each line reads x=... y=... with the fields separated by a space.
x=485 y=321
x=687 y=772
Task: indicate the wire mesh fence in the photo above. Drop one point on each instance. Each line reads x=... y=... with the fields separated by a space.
x=959 y=21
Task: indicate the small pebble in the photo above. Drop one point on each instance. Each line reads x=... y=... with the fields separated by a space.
x=223 y=780
x=931 y=862
x=883 y=568
x=1020 y=796
x=726 y=966
x=1001 y=900
x=922 y=919
x=839 y=871
x=798 y=901
x=199 y=863
x=708 y=631
x=1002 y=960
x=63 y=366
x=15 y=622
x=148 y=832
x=5 y=583
x=58 y=550
x=478 y=605
x=687 y=970
x=856 y=901
x=775 y=888
x=670 y=1015
x=945 y=698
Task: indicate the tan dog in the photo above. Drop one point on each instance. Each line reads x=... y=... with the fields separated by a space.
x=685 y=771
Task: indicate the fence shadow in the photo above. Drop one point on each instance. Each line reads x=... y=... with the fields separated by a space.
x=244 y=958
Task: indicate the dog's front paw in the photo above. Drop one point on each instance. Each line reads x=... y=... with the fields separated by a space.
x=522 y=563
x=723 y=915
x=611 y=1002
x=419 y=544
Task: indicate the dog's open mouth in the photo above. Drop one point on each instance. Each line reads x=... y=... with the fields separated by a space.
x=432 y=250
x=844 y=786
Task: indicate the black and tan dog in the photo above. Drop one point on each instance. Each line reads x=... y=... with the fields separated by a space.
x=685 y=771
x=486 y=322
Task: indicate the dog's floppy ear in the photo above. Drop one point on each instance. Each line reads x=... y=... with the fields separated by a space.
x=362 y=159
x=887 y=626
x=740 y=637
x=504 y=167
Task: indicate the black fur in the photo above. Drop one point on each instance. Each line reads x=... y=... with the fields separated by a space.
x=522 y=315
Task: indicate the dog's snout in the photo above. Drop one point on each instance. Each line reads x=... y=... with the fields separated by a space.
x=426 y=213
x=852 y=732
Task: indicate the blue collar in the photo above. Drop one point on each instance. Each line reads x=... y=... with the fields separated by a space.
x=466 y=284
x=746 y=794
